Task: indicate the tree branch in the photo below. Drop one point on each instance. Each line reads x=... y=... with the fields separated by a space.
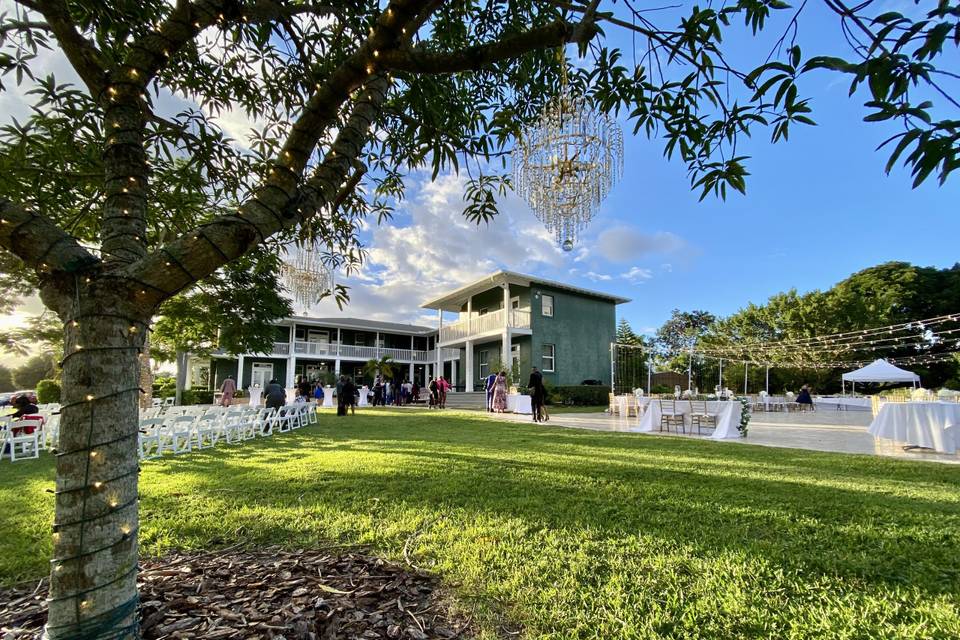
x=182 y=262
x=421 y=60
x=39 y=243
x=81 y=53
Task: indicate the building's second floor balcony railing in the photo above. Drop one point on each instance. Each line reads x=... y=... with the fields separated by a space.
x=361 y=352
x=487 y=323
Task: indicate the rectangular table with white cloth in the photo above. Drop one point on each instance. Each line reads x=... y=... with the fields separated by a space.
x=842 y=404
x=519 y=403
x=933 y=425
x=728 y=417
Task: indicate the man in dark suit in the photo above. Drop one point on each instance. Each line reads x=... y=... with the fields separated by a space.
x=489 y=384
x=535 y=387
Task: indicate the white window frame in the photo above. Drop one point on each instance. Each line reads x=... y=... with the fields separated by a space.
x=322 y=337
x=544 y=307
x=483 y=360
x=515 y=302
x=552 y=358
x=483 y=311
x=261 y=367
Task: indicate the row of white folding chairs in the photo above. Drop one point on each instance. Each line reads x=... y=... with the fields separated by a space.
x=183 y=433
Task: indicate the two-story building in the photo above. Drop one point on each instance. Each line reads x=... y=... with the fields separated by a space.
x=517 y=321
x=505 y=320
x=313 y=347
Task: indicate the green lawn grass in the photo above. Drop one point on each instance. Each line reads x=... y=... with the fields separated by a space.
x=565 y=533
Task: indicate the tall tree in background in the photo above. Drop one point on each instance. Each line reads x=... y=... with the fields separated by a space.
x=234 y=311
x=625 y=334
x=6 y=380
x=120 y=193
x=35 y=369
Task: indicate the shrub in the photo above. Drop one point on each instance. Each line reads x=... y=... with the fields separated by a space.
x=48 y=391
x=661 y=388
x=953 y=384
x=164 y=386
x=197 y=396
x=580 y=395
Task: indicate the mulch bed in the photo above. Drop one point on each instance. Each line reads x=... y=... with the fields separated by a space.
x=269 y=594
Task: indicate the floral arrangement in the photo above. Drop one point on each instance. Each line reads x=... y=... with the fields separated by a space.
x=920 y=394
x=744 y=415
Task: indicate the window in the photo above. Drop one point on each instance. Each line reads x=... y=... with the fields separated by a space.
x=547 y=302
x=515 y=302
x=482 y=312
x=360 y=340
x=549 y=357
x=261 y=374
x=514 y=361
x=483 y=357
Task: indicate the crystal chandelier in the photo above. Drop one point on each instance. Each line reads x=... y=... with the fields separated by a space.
x=306 y=276
x=567 y=164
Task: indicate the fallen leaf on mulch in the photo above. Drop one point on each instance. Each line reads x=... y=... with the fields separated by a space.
x=268 y=594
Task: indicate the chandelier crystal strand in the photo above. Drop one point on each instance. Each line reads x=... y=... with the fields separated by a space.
x=306 y=276
x=567 y=164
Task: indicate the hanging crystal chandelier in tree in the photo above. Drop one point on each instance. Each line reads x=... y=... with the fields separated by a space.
x=306 y=275
x=567 y=163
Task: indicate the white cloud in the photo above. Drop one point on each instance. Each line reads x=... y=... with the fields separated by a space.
x=597 y=277
x=430 y=248
x=637 y=275
x=623 y=244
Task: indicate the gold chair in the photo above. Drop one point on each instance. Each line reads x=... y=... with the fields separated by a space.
x=670 y=414
x=700 y=414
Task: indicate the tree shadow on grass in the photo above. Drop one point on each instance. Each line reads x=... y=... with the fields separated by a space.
x=787 y=519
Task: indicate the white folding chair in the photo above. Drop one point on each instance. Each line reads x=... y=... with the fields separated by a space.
x=264 y=421
x=21 y=444
x=178 y=433
x=150 y=439
x=207 y=430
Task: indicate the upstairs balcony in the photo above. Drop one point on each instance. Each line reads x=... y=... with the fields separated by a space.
x=488 y=324
x=359 y=352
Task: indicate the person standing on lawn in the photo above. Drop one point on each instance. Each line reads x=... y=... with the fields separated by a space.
x=535 y=386
x=228 y=388
x=500 y=393
x=490 y=383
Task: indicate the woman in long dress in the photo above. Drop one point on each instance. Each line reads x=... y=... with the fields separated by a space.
x=500 y=393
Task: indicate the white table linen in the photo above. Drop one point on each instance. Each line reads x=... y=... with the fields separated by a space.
x=255 y=393
x=364 y=392
x=843 y=404
x=728 y=417
x=519 y=403
x=328 y=396
x=934 y=425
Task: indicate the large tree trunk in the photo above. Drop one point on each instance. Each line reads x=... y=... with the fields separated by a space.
x=146 y=375
x=94 y=566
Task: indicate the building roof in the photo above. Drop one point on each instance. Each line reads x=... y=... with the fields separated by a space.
x=366 y=325
x=453 y=300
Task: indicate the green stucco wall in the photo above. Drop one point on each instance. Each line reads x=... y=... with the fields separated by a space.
x=582 y=329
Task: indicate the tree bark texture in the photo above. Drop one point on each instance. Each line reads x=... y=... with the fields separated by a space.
x=93 y=570
x=146 y=375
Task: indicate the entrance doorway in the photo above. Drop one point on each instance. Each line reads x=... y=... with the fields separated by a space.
x=261 y=374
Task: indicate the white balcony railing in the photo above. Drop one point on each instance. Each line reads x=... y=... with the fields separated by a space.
x=360 y=352
x=487 y=323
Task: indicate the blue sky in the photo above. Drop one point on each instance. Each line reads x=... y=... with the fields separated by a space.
x=817 y=209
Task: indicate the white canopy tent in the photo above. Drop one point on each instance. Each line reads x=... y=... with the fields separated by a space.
x=879 y=371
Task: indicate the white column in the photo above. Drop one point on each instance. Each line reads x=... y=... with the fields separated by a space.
x=336 y=367
x=291 y=361
x=240 y=372
x=438 y=367
x=468 y=366
x=377 y=343
x=410 y=374
x=338 y=349
x=188 y=378
x=453 y=373
x=469 y=315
